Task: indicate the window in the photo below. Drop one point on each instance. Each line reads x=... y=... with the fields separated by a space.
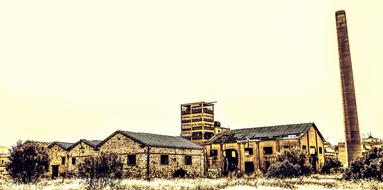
x=304 y=147
x=320 y=150
x=164 y=159
x=73 y=161
x=248 y=151
x=62 y=160
x=132 y=160
x=213 y=152
x=188 y=160
x=268 y=150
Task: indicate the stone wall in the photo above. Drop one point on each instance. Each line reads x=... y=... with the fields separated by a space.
x=258 y=157
x=56 y=153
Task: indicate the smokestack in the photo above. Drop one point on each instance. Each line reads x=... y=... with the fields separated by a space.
x=351 y=127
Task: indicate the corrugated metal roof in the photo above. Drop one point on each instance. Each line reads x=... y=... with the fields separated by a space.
x=161 y=140
x=269 y=132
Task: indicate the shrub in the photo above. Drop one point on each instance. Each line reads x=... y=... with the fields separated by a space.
x=330 y=164
x=101 y=171
x=27 y=162
x=369 y=166
x=180 y=173
x=290 y=163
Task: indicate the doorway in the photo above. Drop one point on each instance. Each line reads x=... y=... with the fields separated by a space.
x=55 y=171
x=249 y=167
x=230 y=161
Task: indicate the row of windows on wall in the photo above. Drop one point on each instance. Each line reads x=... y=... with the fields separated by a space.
x=132 y=160
x=248 y=151
x=266 y=150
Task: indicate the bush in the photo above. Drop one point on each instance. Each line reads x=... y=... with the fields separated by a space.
x=101 y=171
x=330 y=164
x=369 y=166
x=180 y=173
x=290 y=163
x=27 y=162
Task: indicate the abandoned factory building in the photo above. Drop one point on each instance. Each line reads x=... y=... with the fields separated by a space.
x=142 y=154
x=255 y=148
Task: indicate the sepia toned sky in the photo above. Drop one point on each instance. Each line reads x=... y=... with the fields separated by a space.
x=83 y=69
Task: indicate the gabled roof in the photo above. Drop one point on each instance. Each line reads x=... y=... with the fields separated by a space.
x=44 y=144
x=157 y=140
x=261 y=133
x=92 y=143
x=63 y=145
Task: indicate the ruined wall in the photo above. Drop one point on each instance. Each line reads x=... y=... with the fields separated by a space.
x=79 y=152
x=125 y=146
x=312 y=140
x=259 y=156
x=55 y=154
x=176 y=161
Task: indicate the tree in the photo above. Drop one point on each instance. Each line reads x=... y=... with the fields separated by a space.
x=369 y=166
x=290 y=163
x=101 y=171
x=27 y=162
x=330 y=163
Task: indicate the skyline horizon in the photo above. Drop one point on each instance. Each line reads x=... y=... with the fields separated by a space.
x=73 y=70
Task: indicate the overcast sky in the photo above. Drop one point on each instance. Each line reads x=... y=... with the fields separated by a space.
x=83 y=69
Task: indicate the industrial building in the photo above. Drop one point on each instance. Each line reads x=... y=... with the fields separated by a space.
x=250 y=149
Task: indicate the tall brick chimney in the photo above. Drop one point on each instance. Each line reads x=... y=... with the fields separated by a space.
x=351 y=128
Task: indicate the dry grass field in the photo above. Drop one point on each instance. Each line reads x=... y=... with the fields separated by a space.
x=313 y=182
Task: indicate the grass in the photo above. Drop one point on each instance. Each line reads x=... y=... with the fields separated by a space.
x=312 y=182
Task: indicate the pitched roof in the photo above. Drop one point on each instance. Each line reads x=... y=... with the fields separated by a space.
x=158 y=140
x=92 y=143
x=63 y=145
x=44 y=144
x=269 y=132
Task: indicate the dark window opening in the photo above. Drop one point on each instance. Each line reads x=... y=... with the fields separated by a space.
x=213 y=152
x=132 y=160
x=188 y=160
x=248 y=151
x=268 y=150
x=320 y=150
x=62 y=160
x=304 y=147
x=208 y=135
x=73 y=161
x=164 y=159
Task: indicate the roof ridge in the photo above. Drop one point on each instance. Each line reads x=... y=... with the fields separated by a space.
x=272 y=126
x=151 y=134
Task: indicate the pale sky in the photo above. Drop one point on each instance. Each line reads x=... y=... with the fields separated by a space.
x=83 y=69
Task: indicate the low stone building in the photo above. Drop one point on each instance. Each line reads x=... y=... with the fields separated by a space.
x=59 y=154
x=250 y=149
x=151 y=155
x=143 y=155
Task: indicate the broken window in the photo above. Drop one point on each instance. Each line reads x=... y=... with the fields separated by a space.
x=188 y=160
x=248 y=151
x=164 y=159
x=62 y=160
x=268 y=150
x=132 y=160
x=213 y=152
